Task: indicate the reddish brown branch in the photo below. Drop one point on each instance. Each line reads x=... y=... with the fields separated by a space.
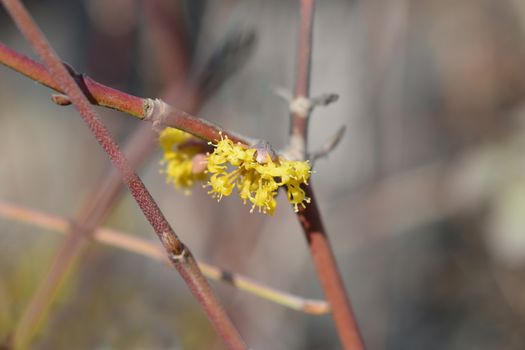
x=299 y=122
x=179 y=255
x=329 y=275
x=108 y=97
x=162 y=114
x=137 y=149
x=309 y=217
x=304 y=50
x=97 y=93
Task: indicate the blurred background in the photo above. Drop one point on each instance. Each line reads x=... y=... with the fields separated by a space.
x=424 y=198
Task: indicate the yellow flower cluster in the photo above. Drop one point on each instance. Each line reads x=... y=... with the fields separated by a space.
x=252 y=171
x=256 y=181
x=179 y=167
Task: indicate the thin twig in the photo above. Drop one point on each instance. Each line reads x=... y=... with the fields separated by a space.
x=148 y=249
x=328 y=146
x=179 y=255
x=309 y=217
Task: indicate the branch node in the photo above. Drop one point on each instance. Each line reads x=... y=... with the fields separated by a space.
x=265 y=152
x=302 y=106
x=149 y=108
x=60 y=99
x=177 y=252
x=180 y=257
x=154 y=111
x=295 y=149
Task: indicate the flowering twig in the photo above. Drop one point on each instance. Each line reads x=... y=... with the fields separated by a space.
x=148 y=249
x=309 y=217
x=179 y=255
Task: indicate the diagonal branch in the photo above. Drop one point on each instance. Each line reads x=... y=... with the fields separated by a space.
x=178 y=254
x=154 y=111
x=136 y=245
x=310 y=217
x=79 y=235
x=97 y=93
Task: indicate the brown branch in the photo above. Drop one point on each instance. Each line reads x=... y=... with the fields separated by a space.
x=309 y=217
x=162 y=114
x=138 y=148
x=179 y=255
x=329 y=275
x=97 y=93
x=101 y=95
x=148 y=249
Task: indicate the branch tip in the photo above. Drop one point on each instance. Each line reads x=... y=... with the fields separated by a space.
x=329 y=145
x=283 y=93
x=155 y=111
x=325 y=99
x=301 y=106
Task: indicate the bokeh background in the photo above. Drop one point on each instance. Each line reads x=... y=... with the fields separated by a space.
x=424 y=198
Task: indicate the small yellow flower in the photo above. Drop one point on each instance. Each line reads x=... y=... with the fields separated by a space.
x=256 y=182
x=177 y=161
x=255 y=173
